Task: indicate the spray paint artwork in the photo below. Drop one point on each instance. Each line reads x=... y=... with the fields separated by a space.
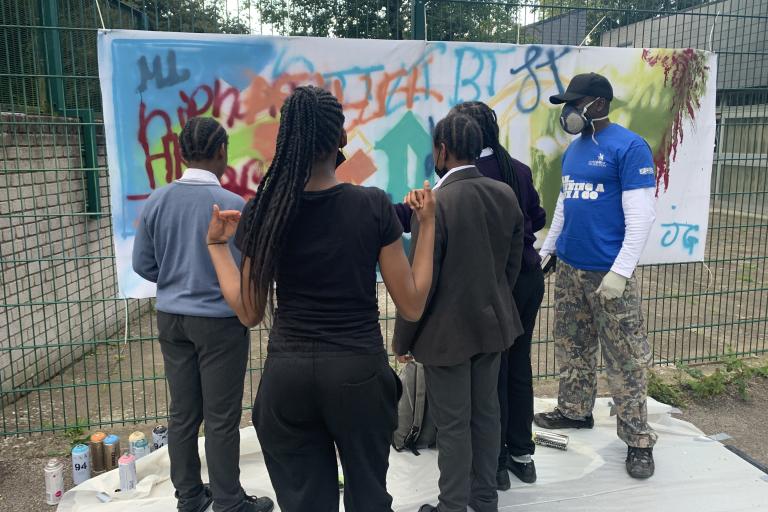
x=393 y=92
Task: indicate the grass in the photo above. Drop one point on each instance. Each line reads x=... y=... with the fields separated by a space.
x=663 y=392
x=77 y=434
x=731 y=373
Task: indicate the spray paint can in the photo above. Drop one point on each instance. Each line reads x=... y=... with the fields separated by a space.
x=159 y=437
x=127 y=469
x=550 y=439
x=54 y=481
x=137 y=444
x=111 y=452
x=81 y=464
x=97 y=451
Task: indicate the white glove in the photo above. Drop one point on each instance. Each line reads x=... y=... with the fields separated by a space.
x=612 y=286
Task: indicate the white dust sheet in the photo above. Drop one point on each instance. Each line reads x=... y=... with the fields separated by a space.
x=693 y=473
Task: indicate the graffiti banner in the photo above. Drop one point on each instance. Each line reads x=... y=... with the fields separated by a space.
x=393 y=92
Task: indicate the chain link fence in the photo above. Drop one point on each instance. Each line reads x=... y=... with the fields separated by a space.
x=73 y=355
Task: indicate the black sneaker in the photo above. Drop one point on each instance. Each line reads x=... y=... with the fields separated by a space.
x=555 y=420
x=502 y=479
x=640 y=462
x=525 y=471
x=427 y=508
x=256 y=504
x=199 y=503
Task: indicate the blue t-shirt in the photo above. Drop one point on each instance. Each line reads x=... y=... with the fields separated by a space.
x=594 y=177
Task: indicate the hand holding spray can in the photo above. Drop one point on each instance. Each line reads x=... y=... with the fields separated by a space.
x=54 y=481
x=81 y=464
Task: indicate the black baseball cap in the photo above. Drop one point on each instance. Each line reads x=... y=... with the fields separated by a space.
x=583 y=85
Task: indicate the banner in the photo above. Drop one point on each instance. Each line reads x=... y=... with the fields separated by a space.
x=393 y=93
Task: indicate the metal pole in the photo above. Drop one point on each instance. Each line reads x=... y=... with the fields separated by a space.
x=49 y=10
x=419 y=20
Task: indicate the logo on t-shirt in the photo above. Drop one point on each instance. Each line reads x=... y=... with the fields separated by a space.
x=581 y=190
x=646 y=170
x=600 y=162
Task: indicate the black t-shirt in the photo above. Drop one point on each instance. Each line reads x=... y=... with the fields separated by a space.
x=326 y=275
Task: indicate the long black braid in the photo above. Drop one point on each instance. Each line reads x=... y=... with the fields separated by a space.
x=489 y=125
x=311 y=122
x=461 y=135
x=200 y=138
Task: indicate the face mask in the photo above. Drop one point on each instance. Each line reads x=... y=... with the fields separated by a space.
x=574 y=121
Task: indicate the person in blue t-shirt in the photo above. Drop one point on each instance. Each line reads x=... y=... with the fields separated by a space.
x=600 y=226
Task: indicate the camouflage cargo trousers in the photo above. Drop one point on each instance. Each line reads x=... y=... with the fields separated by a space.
x=586 y=323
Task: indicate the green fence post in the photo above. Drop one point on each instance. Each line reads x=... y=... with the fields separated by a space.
x=419 y=20
x=49 y=10
x=90 y=158
x=55 y=87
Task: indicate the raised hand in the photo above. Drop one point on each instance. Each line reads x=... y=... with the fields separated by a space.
x=422 y=202
x=223 y=225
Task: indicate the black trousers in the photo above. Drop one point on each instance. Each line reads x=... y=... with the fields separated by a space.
x=515 y=375
x=466 y=413
x=311 y=398
x=205 y=360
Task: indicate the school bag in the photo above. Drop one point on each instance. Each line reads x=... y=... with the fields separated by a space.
x=415 y=428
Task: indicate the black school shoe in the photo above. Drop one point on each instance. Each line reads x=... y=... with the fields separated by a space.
x=524 y=471
x=502 y=479
x=640 y=462
x=200 y=503
x=427 y=508
x=555 y=420
x=256 y=504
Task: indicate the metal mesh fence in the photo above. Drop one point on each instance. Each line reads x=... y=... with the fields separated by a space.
x=72 y=354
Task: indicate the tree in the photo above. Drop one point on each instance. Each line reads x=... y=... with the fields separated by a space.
x=475 y=20
x=187 y=15
x=323 y=18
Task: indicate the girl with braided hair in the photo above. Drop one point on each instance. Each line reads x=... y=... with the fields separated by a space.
x=515 y=375
x=204 y=344
x=471 y=318
x=326 y=379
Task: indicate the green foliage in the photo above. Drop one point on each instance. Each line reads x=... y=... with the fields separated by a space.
x=472 y=20
x=77 y=434
x=192 y=16
x=734 y=373
x=320 y=18
x=670 y=394
x=706 y=386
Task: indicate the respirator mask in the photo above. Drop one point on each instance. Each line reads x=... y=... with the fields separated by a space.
x=575 y=120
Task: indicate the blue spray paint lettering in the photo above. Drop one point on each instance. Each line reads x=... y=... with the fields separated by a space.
x=482 y=59
x=174 y=76
x=531 y=64
x=673 y=233
x=420 y=66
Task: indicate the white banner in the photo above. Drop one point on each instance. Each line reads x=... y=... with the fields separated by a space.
x=393 y=92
